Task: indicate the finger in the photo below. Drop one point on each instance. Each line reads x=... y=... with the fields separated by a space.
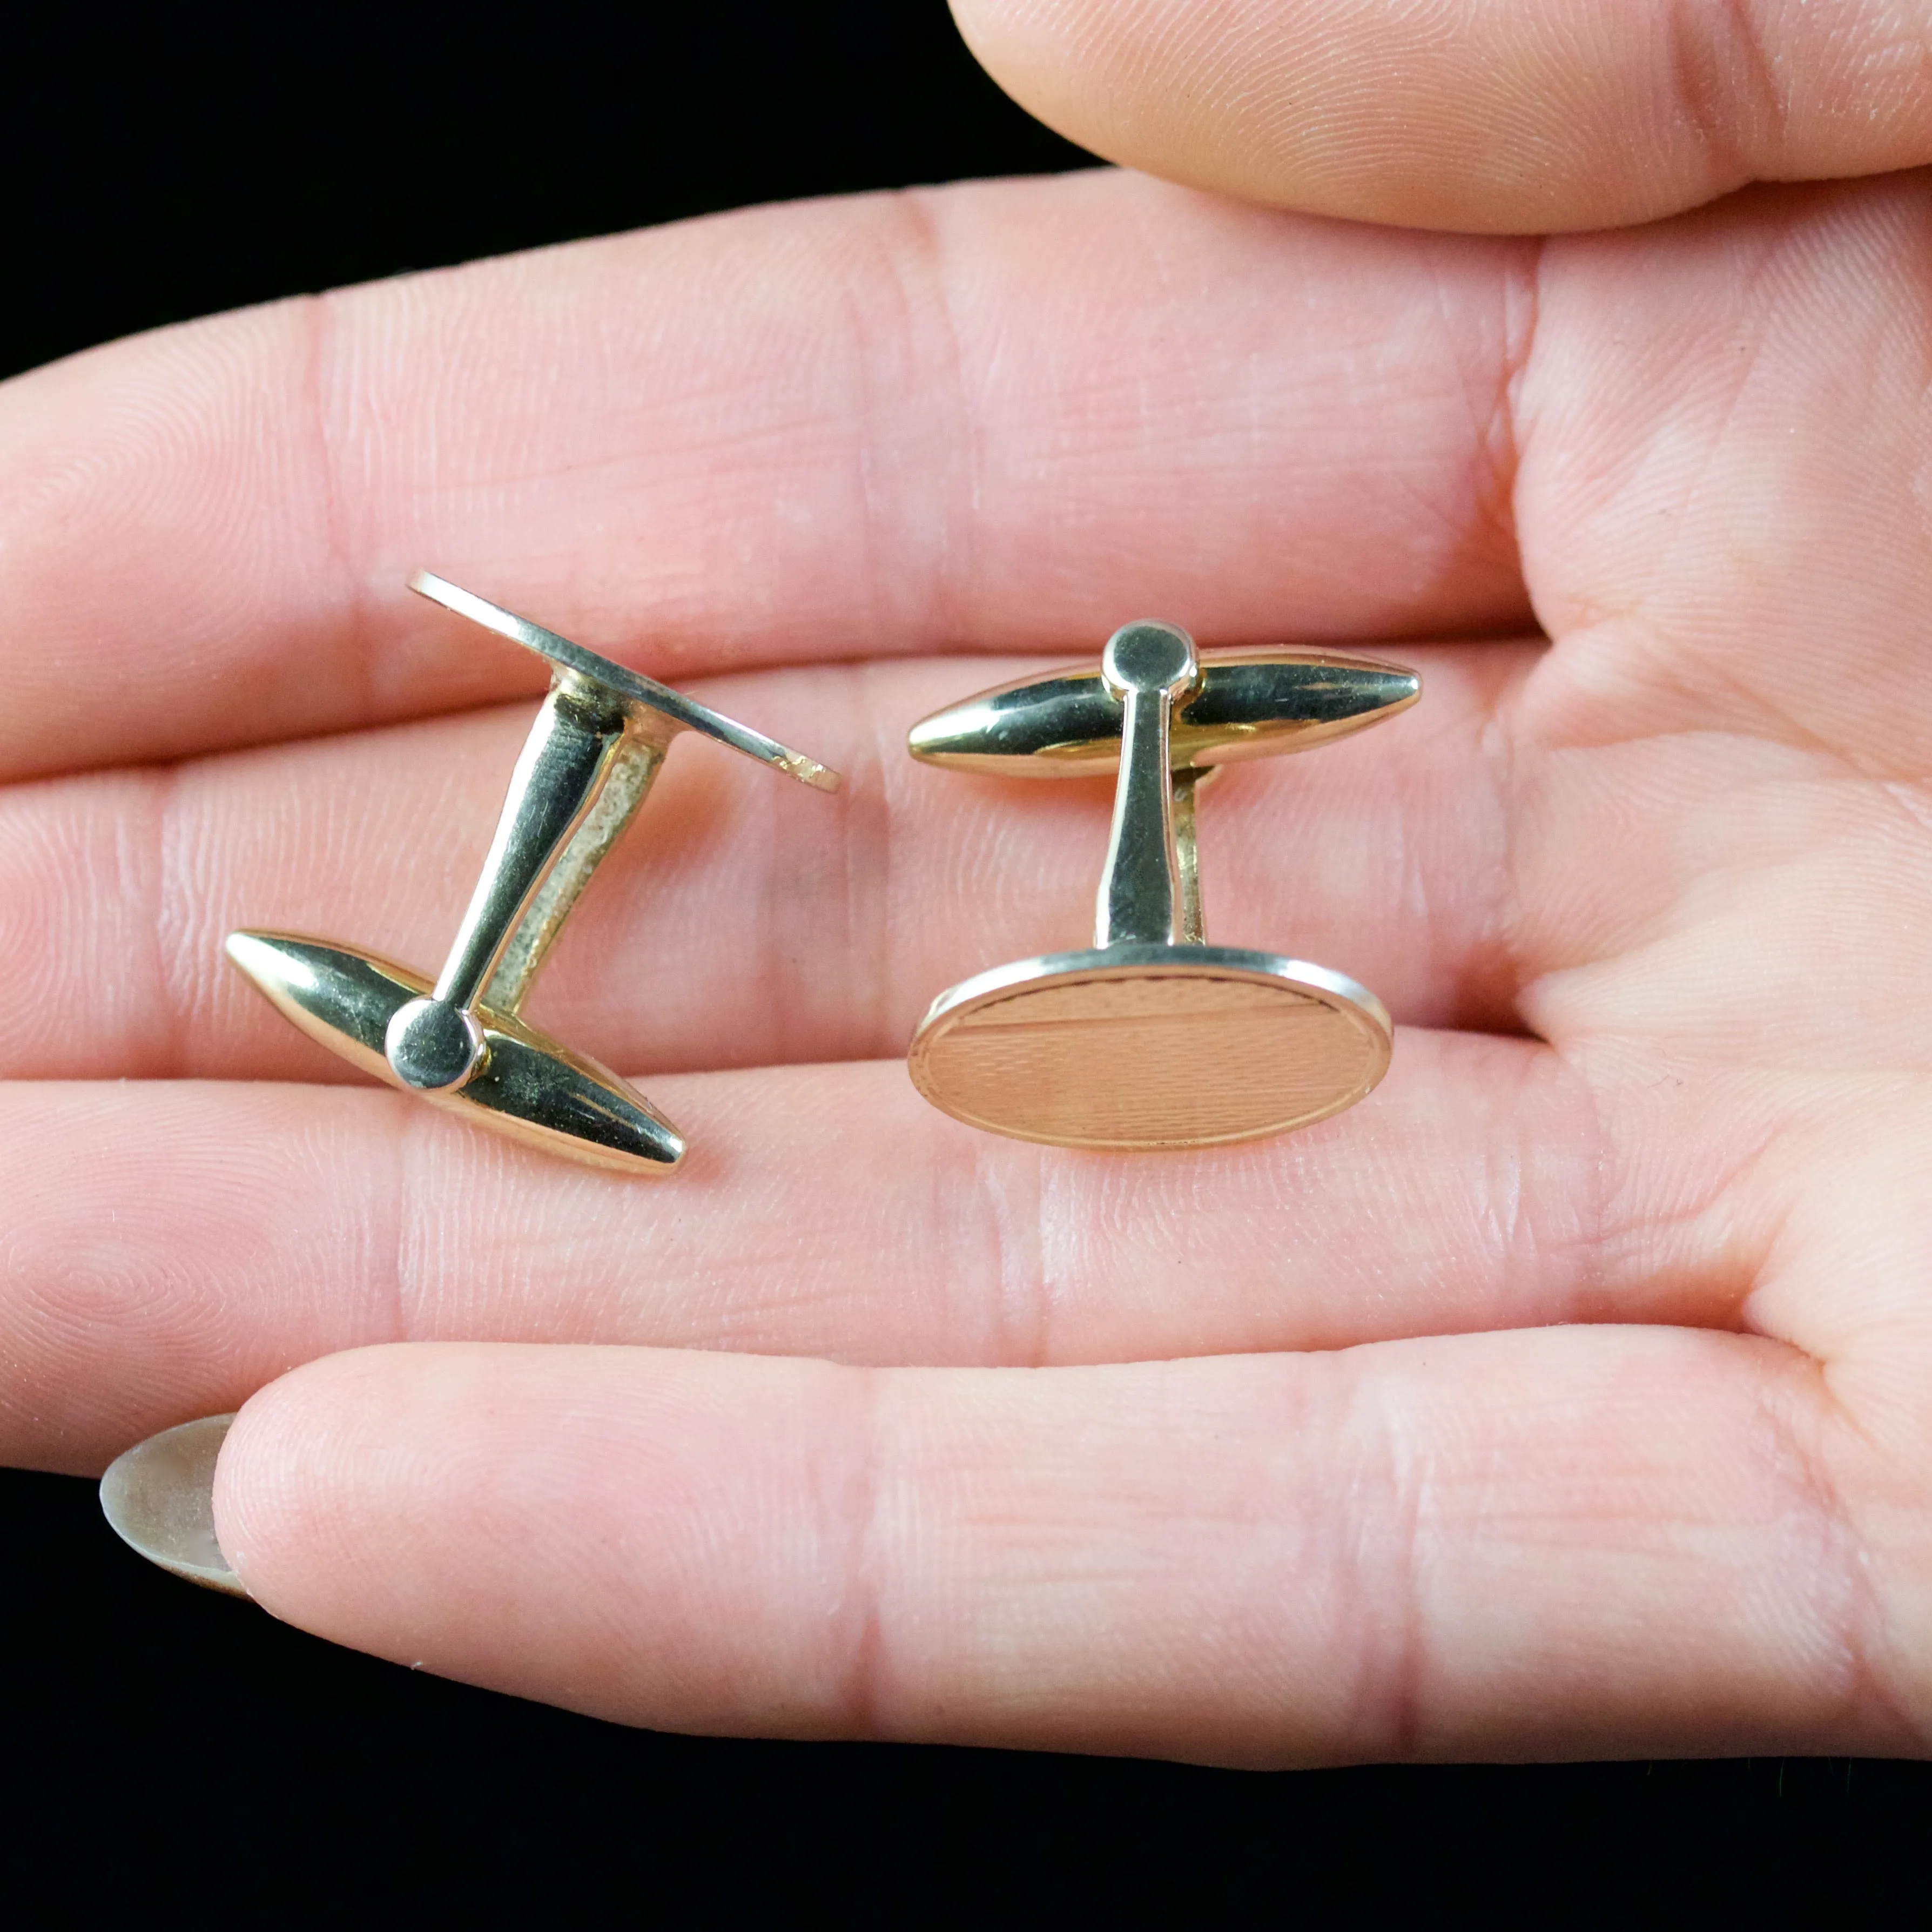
x=172 y=1246
x=1514 y=116
x=1682 y=736
x=1001 y=416
x=1711 y=513
x=1603 y=1541
x=1725 y=534
x=743 y=922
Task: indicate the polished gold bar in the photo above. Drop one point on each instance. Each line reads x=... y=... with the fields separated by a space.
x=1250 y=704
x=532 y=1088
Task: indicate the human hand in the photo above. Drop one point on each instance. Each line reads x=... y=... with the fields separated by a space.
x=1567 y=1397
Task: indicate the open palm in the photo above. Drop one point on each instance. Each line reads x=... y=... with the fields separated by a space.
x=1572 y=1394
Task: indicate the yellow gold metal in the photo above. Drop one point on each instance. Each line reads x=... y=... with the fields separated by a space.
x=1250 y=704
x=1151 y=1038
x=599 y=739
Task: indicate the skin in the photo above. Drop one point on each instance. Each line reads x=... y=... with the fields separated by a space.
x=1568 y=1397
x=1510 y=116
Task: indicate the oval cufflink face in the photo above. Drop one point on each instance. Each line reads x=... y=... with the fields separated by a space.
x=1151 y=1047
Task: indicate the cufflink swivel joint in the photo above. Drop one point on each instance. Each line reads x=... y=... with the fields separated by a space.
x=597 y=743
x=1151 y=1038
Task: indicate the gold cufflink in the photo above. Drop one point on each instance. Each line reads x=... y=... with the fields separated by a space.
x=1152 y=1038
x=597 y=743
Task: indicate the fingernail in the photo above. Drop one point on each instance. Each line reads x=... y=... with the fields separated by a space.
x=159 y=1497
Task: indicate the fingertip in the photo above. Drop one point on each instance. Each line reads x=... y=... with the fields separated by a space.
x=1087 y=73
x=1403 y=117
x=283 y=1481
x=1497 y=118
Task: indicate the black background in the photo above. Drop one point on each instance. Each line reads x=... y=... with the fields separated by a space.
x=172 y=1751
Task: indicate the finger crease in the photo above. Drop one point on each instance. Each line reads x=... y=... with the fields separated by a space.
x=876 y=888
x=167 y=899
x=404 y=1124
x=1730 y=87
x=1796 y=1408
x=357 y=633
x=864 y=1688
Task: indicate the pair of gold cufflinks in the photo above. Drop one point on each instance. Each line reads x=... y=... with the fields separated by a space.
x=1149 y=1039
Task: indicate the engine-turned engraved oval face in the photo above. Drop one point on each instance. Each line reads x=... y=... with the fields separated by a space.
x=1151 y=1047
